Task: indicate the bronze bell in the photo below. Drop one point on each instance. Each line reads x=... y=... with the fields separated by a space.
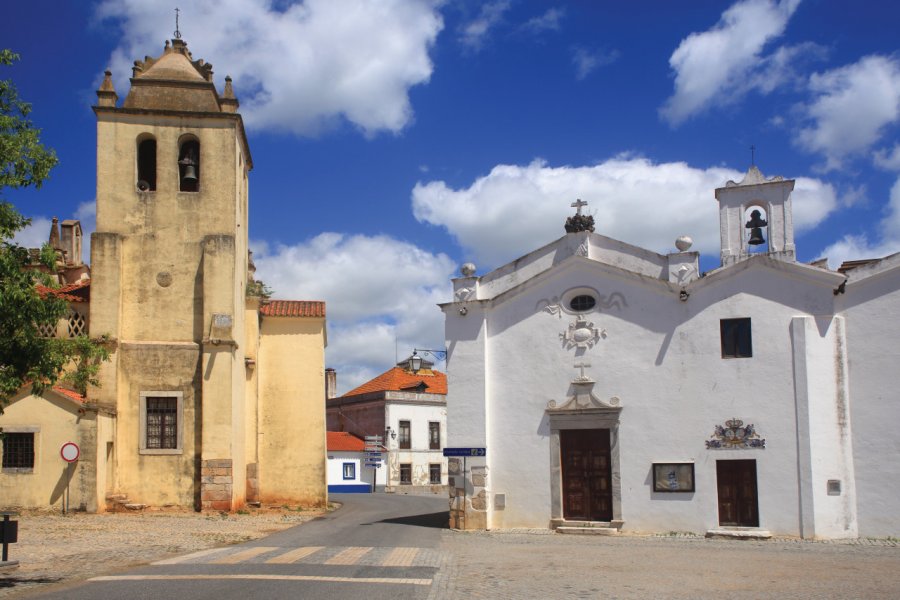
x=190 y=174
x=755 y=225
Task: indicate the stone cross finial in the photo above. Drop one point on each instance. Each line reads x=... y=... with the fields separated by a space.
x=577 y=205
x=582 y=366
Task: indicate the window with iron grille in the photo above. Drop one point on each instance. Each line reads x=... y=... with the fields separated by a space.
x=349 y=470
x=161 y=423
x=434 y=473
x=18 y=451
x=47 y=330
x=406 y=474
x=434 y=436
x=405 y=441
x=77 y=324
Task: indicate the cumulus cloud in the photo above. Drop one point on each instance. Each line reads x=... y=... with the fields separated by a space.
x=300 y=67
x=37 y=233
x=723 y=63
x=854 y=247
x=34 y=235
x=474 y=33
x=515 y=209
x=380 y=293
x=549 y=21
x=888 y=159
x=586 y=61
x=851 y=108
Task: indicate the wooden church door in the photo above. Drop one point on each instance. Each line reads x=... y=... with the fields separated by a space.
x=587 y=474
x=736 y=481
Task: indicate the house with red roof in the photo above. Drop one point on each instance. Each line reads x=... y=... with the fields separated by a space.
x=407 y=406
x=348 y=472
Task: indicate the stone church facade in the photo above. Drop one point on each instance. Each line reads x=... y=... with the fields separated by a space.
x=218 y=394
x=617 y=388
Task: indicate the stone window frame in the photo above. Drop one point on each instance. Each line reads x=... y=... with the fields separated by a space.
x=736 y=335
x=404 y=435
x=147 y=170
x=184 y=142
x=349 y=473
x=179 y=427
x=36 y=446
x=407 y=467
x=432 y=443
x=432 y=467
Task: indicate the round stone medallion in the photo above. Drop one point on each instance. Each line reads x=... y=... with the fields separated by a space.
x=164 y=278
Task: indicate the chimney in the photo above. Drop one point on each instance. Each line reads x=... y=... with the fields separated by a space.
x=330 y=383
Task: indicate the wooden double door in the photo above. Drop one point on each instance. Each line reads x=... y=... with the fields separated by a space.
x=736 y=482
x=586 y=474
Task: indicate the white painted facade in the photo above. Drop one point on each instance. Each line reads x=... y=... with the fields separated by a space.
x=347 y=472
x=646 y=364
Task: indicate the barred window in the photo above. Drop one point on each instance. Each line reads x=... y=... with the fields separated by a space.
x=434 y=435
x=405 y=441
x=18 y=451
x=434 y=473
x=406 y=474
x=161 y=422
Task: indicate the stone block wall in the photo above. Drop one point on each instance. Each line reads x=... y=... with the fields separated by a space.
x=216 y=484
x=469 y=503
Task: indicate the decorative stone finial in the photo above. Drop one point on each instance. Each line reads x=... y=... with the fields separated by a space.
x=106 y=95
x=579 y=222
x=683 y=243
x=467 y=270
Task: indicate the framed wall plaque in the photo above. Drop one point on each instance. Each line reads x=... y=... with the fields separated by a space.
x=673 y=477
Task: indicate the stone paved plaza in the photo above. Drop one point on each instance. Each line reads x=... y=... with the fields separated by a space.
x=536 y=565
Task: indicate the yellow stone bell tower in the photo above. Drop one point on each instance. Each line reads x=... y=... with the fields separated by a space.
x=170 y=268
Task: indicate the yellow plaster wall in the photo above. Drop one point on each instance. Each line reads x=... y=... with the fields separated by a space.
x=54 y=421
x=292 y=452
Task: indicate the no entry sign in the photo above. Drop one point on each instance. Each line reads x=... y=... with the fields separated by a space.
x=70 y=452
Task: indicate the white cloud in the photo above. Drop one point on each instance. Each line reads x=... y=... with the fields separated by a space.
x=37 y=233
x=300 y=68
x=854 y=247
x=549 y=21
x=852 y=107
x=474 y=33
x=723 y=63
x=586 y=61
x=515 y=209
x=888 y=159
x=34 y=235
x=378 y=291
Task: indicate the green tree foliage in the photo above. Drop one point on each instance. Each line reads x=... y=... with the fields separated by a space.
x=26 y=357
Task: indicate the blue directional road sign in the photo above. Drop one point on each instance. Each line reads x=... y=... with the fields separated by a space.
x=465 y=451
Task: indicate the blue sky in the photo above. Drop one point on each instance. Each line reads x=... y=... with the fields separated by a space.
x=394 y=140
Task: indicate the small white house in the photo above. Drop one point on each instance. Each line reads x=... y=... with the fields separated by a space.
x=347 y=471
x=615 y=386
x=407 y=407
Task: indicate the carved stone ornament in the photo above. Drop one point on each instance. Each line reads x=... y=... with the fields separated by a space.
x=734 y=436
x=581 y=334
x=164 y=278
x=584 y=400
x=464 y=294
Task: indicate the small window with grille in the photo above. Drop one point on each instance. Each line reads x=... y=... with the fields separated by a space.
x=77 y=324
x=434 y=474
x=18 y=451
x=434 y=435
x=405 y=440
x=47 y=330
x=161 y=423
x=406 y=474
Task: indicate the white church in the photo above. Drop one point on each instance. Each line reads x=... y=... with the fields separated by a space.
x=617 y=388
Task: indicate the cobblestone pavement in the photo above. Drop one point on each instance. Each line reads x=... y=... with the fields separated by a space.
x=543 y=565
x=53 y=548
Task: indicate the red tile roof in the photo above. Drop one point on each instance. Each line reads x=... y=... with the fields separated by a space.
x=70 y=394
x=342 y=441
x=400 y=380
x=293 y=308
x=80 y=291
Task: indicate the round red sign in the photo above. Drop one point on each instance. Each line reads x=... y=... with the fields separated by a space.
x=70 y=452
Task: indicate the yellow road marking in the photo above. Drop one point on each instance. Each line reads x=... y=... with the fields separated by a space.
x=294 y=555
x=393 y=580
x=348 y=556
x=400 y=557
x=244 y=555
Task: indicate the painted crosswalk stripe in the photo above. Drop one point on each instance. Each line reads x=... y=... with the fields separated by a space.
x=244 y=555
x=348 y=556
x=390 y=580
x=400 y=557
x=193 y=556
x=294 y=555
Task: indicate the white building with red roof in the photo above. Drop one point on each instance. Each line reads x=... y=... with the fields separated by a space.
x=407 y=406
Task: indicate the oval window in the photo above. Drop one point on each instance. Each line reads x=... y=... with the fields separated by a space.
x=582 y=302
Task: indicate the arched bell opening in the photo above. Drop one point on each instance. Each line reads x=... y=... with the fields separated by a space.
x=146 y=163
x=189 y=164
x=756 y=227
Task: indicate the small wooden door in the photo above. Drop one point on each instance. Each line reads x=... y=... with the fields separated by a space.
x=736 y=480
x=587 y=474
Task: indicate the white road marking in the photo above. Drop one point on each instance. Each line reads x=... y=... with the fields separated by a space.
x=391 y=580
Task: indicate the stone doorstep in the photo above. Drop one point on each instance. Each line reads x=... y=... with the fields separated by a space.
x=599 y=530
x=740 y=533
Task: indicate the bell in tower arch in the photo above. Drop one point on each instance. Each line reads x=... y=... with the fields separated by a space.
x=755 y=225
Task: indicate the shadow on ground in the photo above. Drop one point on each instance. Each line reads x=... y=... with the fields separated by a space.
x=8 y=582
x=438 y=520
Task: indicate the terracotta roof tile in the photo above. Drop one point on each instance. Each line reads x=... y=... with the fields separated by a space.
x=79 y=291
x=70 y=394
x=339 y=441
x=399 y=380
x=293 y=308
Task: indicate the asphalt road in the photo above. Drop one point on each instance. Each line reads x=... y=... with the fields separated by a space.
x=376 y=545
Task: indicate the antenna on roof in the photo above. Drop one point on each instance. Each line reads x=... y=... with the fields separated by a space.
x=177 y=31
x=752 y=155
